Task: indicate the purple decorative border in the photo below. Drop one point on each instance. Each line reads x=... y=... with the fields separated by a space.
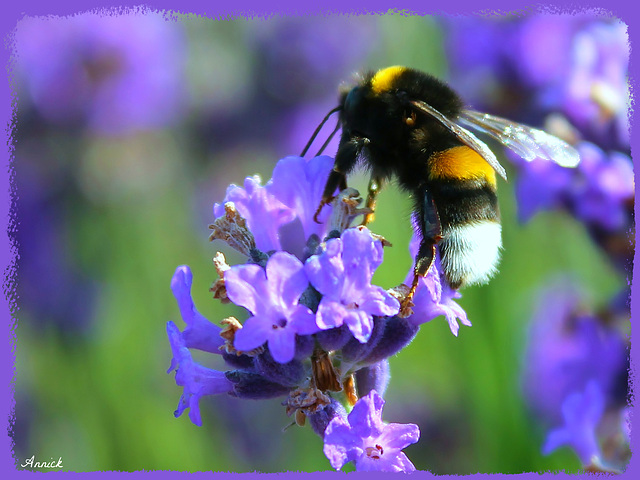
x=14 y=11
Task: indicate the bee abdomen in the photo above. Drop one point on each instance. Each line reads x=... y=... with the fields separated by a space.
x=470 y=252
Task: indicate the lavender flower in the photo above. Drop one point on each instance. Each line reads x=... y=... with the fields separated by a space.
x=291 y=194
x=113 y=73
x=434 y=297
x=271 y=295
x=566 y=349
x=196 y=379
x=581 y=411
x=599 y=191
x=342 y=273
x=363 y=438
x=597 y=91
x=322 y=316
x=264 y=213
x=574 y=64
x=298 y=184
x=200 y=332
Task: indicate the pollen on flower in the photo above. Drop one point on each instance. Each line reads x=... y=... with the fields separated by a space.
x=232 y=229
x=230 y=326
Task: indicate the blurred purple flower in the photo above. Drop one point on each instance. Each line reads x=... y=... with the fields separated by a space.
x=272 y=298
x=342 y=273
x=308 y=57
x=200 y=332
x=476 y=51
x=541 y=49
x=598 y=192
x=532 y=65
x=50 y=284
x=113 y=72
x=567 y=349
x=597 y=90
x=363 y=438
x=604 y=190
x=434 y=297
x=581 y=412
x=196 y=379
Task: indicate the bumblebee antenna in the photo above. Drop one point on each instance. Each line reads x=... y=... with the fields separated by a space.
x=315 y=134
x=326 y=142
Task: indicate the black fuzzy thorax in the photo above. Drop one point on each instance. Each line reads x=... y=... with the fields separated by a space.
x=395 y=148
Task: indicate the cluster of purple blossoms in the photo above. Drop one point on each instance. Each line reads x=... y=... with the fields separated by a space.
x=318 y=332
x=111 y=73
x=567 y=73
x=576 y=377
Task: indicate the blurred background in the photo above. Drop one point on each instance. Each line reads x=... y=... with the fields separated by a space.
x=130 y=127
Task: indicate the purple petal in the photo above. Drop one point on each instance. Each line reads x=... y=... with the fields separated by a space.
x=282 y=344
x=555 y=439
x=303 y=321
x=388 y=462
x=399 y=435
x=361 y=253
x=330 y=314
x=196 y=379
x=200 y=332
x=286 y=277
x=264 y=213
x=360 y=324
x=254 y=333
x=299 y=184
x=176 y=343
x=366 y=417
x=339 y=443
x=582 y=412
x=378 y=302
x=247 y=286
x=326 y=271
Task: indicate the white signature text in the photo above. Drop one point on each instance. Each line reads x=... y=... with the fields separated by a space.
x=32 y=463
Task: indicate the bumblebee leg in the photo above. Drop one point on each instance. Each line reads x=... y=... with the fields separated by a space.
x=375 y=185
x=336 y=179
x=429 y=222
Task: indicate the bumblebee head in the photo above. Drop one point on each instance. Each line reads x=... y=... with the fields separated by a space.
x=375 y=105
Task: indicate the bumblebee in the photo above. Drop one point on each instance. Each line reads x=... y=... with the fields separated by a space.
x=405 y=124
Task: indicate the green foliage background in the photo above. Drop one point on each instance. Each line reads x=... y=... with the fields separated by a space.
x=101 y=399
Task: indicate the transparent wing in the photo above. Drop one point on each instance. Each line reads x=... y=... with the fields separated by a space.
x=530 y=143
x=464 y=135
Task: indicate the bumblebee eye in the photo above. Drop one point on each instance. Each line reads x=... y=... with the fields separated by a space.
x=354 y=97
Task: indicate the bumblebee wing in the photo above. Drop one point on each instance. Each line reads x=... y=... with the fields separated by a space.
x=464 y=135
x=530 y=143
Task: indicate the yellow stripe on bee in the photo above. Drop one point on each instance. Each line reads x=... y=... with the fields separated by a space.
x=460 y=163
x=383 y=80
